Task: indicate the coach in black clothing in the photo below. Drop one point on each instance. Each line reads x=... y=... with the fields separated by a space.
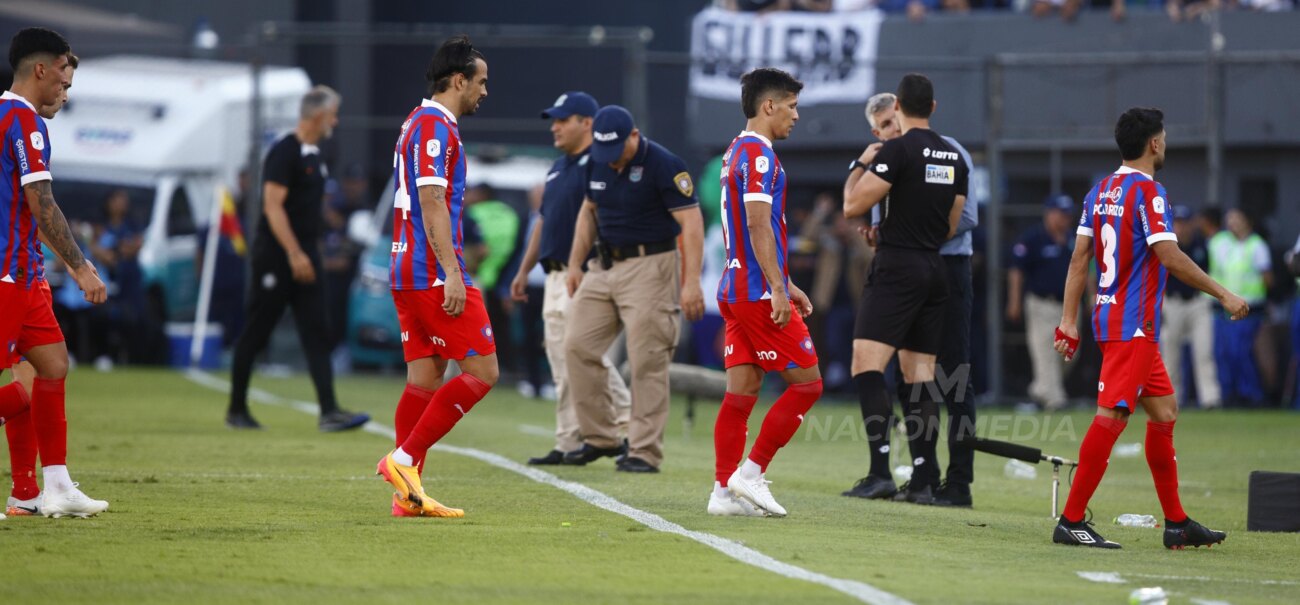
x=286 y=263
x=902 y=308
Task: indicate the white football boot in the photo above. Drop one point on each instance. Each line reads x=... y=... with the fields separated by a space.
x=755 y=491
x=730 y=506
x=70 y=503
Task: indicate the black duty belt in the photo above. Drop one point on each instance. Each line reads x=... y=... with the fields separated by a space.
x=551 y=266
x=632 y=251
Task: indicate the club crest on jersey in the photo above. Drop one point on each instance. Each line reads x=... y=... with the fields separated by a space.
x=807 y=344
x=684 y=183
x=761 y=164
x=635 y=174
x=487 y=332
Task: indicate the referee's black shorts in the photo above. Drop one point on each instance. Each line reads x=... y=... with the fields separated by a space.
x=903 y=300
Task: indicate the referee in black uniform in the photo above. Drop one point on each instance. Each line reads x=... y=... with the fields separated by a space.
x=902 y=308
x=286 y=263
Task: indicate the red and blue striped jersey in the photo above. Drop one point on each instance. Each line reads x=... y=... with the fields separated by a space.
x=428 y=152
x=1127 y=213
x=25 y=160
x=750 y=173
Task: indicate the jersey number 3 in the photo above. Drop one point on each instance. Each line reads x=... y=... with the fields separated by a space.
x=1108 y=241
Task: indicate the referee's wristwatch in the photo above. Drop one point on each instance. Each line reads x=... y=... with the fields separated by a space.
x=856 y=165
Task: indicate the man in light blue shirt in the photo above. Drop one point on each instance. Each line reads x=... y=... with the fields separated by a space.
x=953 y=372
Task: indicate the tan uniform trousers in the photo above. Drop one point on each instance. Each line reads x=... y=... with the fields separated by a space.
x=1190 y=321
x=1042 y=316
x=642 y=296
x=555 y=313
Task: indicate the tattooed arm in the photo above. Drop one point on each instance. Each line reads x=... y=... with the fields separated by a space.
x=54 y=227
x=437 y=225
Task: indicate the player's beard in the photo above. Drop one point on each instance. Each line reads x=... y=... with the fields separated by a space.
x=472 y=107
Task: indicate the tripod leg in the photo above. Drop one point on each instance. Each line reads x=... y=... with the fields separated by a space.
x=1056 y=486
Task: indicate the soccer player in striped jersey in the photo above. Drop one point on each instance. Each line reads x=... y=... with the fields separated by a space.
x=1127 y=227
x=41 y=60
x=440 y=311
x=763 y=310
x=24 y=497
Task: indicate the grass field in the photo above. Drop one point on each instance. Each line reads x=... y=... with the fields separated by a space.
x=202 y=514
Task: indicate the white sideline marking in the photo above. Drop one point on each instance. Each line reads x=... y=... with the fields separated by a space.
x=1110 y=577
x=859 y=590
x=536 y=431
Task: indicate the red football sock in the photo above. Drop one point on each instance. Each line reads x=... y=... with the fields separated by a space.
x=1094 y=456
x=50 y=420
x=783 y=420
x=22 y=455
x=729 y=434
x=1164 y=468
x=13 y=401
x=450 y=403
x=409 y=409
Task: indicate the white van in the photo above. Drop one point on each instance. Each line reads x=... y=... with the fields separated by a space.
x=170 y=132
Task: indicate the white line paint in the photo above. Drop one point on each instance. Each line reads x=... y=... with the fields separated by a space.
x=1103 y=577
x=536 y=431
x=1111 y=577
x=859 y=590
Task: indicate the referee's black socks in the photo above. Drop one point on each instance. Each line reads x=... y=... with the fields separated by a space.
x=921 y=419
x=877 y=415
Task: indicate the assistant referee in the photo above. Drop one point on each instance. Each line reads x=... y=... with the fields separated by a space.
x=286 y=263
x=902 y=307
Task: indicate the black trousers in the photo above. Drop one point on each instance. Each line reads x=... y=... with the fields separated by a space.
x=953 y=371
x=272 y=291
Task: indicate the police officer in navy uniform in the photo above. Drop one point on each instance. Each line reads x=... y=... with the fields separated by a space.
x=550 y=241
x=1040 y=259
x=640 y=198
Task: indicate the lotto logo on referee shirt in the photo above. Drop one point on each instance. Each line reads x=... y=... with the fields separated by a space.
x=940 y=175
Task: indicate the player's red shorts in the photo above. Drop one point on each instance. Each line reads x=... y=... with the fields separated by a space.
x=1130 y=370
x=753 y=338
x=26 y=320
x=428 y=331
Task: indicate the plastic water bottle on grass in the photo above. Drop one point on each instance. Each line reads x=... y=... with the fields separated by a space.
x=1131 y=520
x=1153 y=595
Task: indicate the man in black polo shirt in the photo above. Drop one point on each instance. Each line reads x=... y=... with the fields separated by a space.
x=287 y=265
x=550 y=242
x=1040 y=259
x=639 y=198
x=902 y=307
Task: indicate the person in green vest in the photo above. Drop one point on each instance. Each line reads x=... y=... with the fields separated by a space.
x=1240 y=260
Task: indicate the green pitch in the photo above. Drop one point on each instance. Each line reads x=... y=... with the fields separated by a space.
x=204 y=514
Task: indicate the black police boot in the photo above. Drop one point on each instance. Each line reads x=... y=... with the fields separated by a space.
x=242 y=421
x=552 y=458
x=632 y=464
x=587 y=453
